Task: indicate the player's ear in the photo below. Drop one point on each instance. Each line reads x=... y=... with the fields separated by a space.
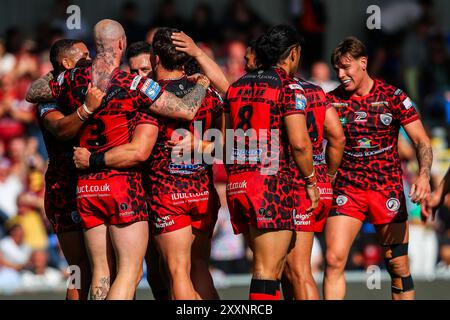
x=363 y=61
x=67 y=64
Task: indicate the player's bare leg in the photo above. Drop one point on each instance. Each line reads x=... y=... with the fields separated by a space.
x=340 y=232
x=175 y=247
x=101 y=256
x=130 y=244
x=157 y=276
x=72 y=245
x=269 y=256
x=394 y=239
x=298 y=269
x=200 y=275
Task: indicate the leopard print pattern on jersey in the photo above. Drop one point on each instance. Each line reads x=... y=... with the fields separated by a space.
x=371 y=126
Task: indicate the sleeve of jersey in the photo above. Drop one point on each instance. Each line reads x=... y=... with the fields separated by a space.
x=148 y=92
x=403 y=108
x=44 y=109
x=293 y=100
x=144 y=116
x=218 y=104
x=60 y=85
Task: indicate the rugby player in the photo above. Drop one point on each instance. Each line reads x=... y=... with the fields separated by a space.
x=112 y=202
x=369 y=181
x=59 y=127
x=322 y=122
x=183 y=200
x=260 y=192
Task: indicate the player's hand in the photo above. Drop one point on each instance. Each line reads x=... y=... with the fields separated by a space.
x=201 y=79
x=429 y=206
x=314 y=196
x=81 y=158
x=94 y=98
x=188 y=144
x=421 y=189
x=185 y=44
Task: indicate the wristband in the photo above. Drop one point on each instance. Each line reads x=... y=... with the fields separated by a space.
x=79 y=115
x=85 y=108
x=97 y=161
x=311 y=180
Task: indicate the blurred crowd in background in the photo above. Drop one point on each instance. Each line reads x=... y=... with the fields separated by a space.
x=411 y=51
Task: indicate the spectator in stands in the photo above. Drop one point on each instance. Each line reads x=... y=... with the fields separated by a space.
x=16 y=254
x=10 y=280
x=321 y=76
x=10 y=188
x=40 y=275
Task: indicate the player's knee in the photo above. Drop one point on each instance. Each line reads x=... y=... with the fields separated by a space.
x=396 y=259
x=178 y=268
x=268 y=271
x=301 y=273
x=335 y=261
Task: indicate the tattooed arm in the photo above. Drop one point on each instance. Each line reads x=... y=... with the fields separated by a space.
x=40 y=90
x=420 y=190
x=184 y=43
x=170 y=106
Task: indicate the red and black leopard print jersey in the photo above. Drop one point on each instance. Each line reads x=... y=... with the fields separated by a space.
x=60 y=153
x=125 y=106
x=316 y=110
x=161 y=168
x=371 y=125
x=257 y=104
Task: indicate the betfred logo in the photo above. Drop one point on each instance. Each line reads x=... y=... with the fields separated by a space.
x=393 y=204
x=93 y=189
x=237 y=185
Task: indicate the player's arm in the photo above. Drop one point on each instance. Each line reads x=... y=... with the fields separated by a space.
x=123 y=156
x=334 y=133
x=170 y=106
x=40 y=90
x=302 y=153
x=437 y=198
x=67 y=127
x=420 y=190
x=212 y=70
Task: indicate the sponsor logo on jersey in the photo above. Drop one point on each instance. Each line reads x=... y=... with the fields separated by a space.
x=237 y=185
x=135 y=83
x=164 y=222
x=341 y=200
x=339 y=104
x=295 y=87
x=252 y=155
x=151 y=89
x=380 y=104
x=398 y=92
x=386 y=118
x=361 y=116
x=364 y=143
x=75 y=217
x=46 y=107
x=393 y=204
x=185 y=169
x=300 y=102
x=407 y=103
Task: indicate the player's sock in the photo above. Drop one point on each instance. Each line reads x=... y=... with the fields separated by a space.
x=265 y=290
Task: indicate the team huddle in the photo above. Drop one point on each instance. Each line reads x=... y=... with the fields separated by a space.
x=130 y=173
